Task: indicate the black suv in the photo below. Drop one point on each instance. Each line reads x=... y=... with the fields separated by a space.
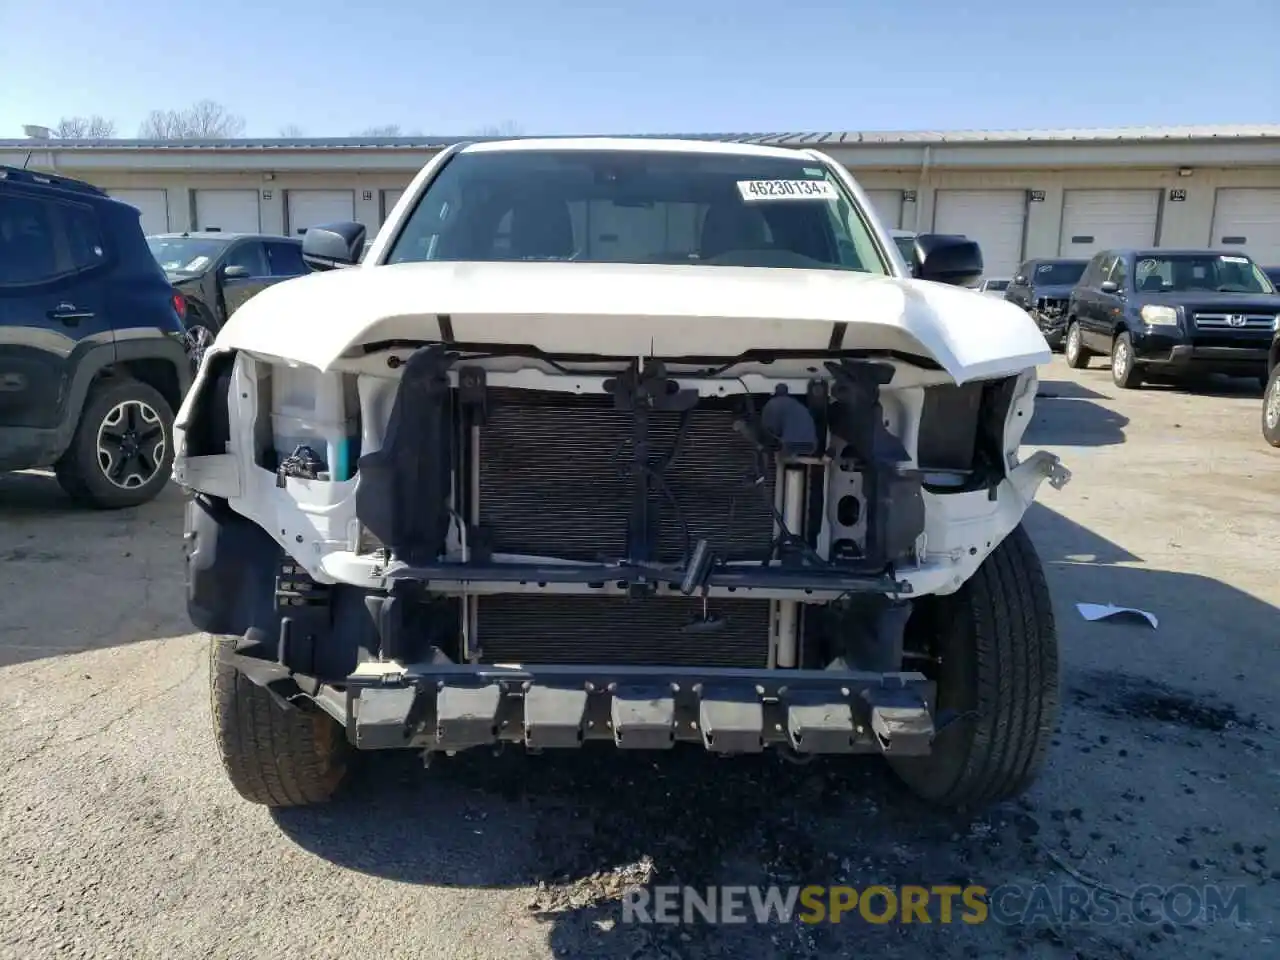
x=92 y=350
x=1042 y=288
x=216 y=272
x=1172 y=313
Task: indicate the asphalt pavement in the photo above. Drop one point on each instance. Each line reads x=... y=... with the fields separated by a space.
x=122 y=838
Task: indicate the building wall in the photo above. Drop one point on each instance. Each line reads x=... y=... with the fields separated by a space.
x=1182 y=223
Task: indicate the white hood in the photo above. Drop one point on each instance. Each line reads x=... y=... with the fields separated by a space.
x=630 y=310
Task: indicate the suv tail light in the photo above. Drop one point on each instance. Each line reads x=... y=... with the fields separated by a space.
x=180 y=305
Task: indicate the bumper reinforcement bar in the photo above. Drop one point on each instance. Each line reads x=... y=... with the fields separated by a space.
x=456 y=707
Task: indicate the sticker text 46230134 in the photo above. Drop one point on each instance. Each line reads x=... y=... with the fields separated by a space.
x=753 y=191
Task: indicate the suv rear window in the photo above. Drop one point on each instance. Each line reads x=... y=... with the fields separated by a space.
x=638 y=206
x=42 y=239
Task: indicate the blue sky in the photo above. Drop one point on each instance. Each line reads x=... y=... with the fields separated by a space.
x=656 y=66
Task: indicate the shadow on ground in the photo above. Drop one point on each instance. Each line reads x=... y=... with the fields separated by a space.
x=580 y=828
x=74 y=578
x=1069 y=414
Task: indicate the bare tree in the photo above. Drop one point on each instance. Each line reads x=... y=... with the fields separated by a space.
x=507 y=128
x=206 y=120
x=292 y=130
x=85 y=128
x=385 y=130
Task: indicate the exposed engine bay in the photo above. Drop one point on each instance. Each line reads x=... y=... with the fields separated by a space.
x=632 y=514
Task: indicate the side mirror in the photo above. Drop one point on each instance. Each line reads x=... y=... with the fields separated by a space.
x=1109 y=286
x=947 y=259
x=333 y=245
x=235 y=271
x=1020 y=279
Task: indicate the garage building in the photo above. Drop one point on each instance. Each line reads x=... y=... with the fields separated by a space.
x=1020 y=194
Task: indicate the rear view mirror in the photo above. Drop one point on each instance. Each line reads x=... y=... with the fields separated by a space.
x=333 y=245
x=1109 y=286
x=947 y=259
x=1020 y=279
x=235 y=271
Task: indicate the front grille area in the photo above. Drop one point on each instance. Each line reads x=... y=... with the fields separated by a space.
x=520 y=628
x=1250 y=322
x=554 y=479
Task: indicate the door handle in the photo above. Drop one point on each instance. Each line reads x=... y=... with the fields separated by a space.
x=69 y=314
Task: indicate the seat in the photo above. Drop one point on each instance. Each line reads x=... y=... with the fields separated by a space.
x=541 y=230
x=731 y=226
x=1151 y=283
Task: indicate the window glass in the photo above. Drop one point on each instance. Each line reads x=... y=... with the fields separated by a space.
x=185 y=255
x=1058 y=274
x=285 y=259
x=1222 y=273
x=83 y=236
x=1118 y=272
x=28 y=253
x=249 y=255
x=638 y=207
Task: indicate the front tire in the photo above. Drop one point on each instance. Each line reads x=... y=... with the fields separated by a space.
x=1073 y=348
x=995 y=647
x=1125 y=372
x=274 y=755
x=1271 y=409
x=121 y=453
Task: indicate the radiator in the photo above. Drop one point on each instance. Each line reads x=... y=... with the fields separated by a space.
x=520 y=628
x=554 y=479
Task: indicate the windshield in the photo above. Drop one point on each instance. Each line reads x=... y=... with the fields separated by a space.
x=184 y=255
x=638 y=207
x=1225 y=273
x=997 y=285
x=906 y=246
x=1059 y=274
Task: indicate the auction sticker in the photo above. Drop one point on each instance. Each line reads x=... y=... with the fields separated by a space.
x=756 y=190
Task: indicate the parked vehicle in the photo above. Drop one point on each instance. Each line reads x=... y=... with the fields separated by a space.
x=1273 y=274
x=92 y=363
x=995 y=287
x=1173 y=313
x=216 y=272
x=1271 y=395
x=1042 y=287
x=666 y=477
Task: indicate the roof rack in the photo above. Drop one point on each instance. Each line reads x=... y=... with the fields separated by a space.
x=19 y=175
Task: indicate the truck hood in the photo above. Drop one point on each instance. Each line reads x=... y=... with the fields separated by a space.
x=631 y=310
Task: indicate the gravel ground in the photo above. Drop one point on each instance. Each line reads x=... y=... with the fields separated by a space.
x=122 y=838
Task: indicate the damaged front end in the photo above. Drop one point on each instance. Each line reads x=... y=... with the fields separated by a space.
x=1050 y=315
x=453 y=547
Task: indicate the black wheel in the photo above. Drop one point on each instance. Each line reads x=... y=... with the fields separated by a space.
x=122 y=451
x=1271 y=409
x=200 y=336
x=275 y=755
x=1074 y=349
x=1125 y=371
x=993 y=650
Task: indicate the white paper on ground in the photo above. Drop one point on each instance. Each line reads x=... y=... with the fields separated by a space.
x=1101 y=611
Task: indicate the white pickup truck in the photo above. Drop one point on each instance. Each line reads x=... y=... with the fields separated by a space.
x=639 y=441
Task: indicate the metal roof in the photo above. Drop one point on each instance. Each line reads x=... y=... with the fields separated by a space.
x=1259 y=131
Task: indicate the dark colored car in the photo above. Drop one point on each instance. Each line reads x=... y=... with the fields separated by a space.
x=216 y=272
x=92 y=349
x=1172 y=313
x=1042 y=287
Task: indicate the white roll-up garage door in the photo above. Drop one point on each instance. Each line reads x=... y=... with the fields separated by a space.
x=994 y=218
x=888 y=205
x=1094 y=220
x=1248 y=219
x=310 y=208
x=153 y=204
x=228 y=211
